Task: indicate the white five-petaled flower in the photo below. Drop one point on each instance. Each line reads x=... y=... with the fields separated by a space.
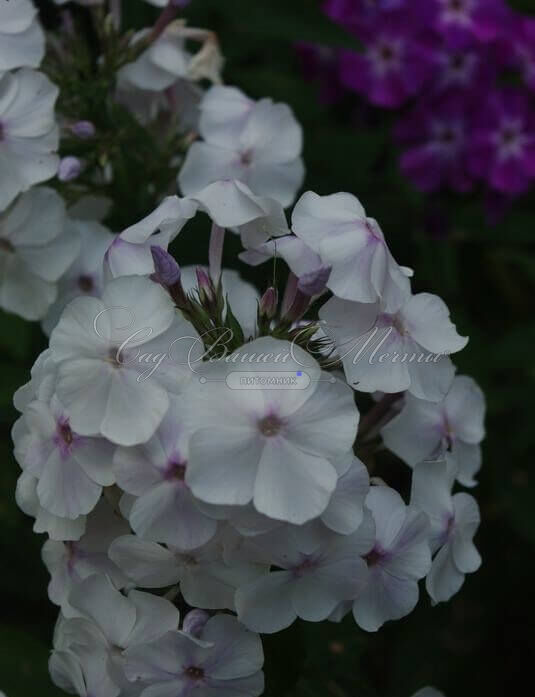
x=118 y=357
x=130 y=253
x=453 y=428
x=22 y=39
x=103 y=624
x=428 y=692
x=337 y=229
x=257 y=143
x=399 y=558
x=162 y=64
x=85 y=276
x=392 y=352
x=28 y=132
x=225 y=660
x=273 y=447
x=164 y=509
x=71 y=469
x=69 y=563
x=206 y=579
x=454 y=522
x=36 y=248
x=318 y=570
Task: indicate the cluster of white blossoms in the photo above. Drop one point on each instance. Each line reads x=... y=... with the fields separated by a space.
x=191 y=446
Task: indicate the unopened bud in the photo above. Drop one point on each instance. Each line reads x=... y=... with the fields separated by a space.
x=69 y=168
x=166 y=270
x=207 y=294
x=298 y=307
x=269 y=303
x=83 y=129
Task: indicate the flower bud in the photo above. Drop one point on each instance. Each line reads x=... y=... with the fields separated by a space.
x=83 y=129
x=69 y=168
x=207 y=294
x=269 y=303
x=166 y=270
x=298 y=307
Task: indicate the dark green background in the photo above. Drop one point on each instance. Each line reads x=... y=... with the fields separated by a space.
x=481 y=643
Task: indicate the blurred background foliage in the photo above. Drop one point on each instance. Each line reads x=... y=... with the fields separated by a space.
x=481 y=643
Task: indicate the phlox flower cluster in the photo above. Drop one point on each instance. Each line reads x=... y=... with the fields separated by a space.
x=195 y=448
x=447 y=65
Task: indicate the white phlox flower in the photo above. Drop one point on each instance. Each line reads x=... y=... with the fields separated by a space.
x=28 y=132
x=225 y=660
x=22 y=39
x=273 y=447
x=85 y=276
x=257 y=143
x=205 y=578
x=453 y=428
x=353 y=246
x=130 y=252
x=105 y=623
x=71 y=469
x=154 y=473
x=167 y=63
x=36 y=248
x=399 y=558
x=454 y=522
x=318 y=571
x=392 y=352
x=118 y=357
x=69 y=563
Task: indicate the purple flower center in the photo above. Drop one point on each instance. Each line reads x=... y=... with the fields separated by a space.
x=86 y=284
x=460 y=67
x=386 y=55
x=511 y=139
x=176 y=470
x=457 y=11
x=270 y=425
x=246 y=158
x=447 y=138
x=65 y=433
x=308 y=564
x=194 y=673
x=396 y=322
x=113 y=358
x=375 y=556
x=65 y=439
x=458 y=6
